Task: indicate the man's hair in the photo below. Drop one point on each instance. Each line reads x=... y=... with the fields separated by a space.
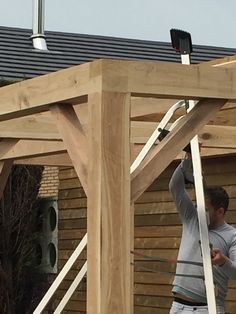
x=217 y=196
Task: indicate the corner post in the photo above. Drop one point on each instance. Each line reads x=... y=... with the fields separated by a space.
x=109 y=286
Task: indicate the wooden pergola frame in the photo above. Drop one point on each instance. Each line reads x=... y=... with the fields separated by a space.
x=84 y=116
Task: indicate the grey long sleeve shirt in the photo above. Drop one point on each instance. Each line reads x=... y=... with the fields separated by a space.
x=223 y=238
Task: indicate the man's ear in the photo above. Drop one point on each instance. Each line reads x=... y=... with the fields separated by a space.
x=221 y=211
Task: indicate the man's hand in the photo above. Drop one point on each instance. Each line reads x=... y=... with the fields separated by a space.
x=217 y=257
x=188 y=153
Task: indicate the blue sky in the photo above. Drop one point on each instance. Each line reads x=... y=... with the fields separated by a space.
x=210 y=22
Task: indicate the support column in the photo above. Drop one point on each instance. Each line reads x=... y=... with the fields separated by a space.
x=109 y=221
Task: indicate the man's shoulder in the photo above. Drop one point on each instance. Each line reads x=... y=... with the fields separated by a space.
x=230 y=231
x=229 y=227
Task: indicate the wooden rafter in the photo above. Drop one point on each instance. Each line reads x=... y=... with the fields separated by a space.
x=12 y=149
x=49 y=160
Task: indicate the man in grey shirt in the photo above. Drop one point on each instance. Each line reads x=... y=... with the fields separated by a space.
x=189 y=292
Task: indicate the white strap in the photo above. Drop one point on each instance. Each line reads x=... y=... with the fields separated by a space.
x=153 y=138
x=61 y=276
x=72 y=289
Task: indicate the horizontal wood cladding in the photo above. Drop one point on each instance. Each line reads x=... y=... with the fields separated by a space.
x=157 y=233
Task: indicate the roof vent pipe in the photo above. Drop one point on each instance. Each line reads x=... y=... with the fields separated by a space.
x=38 y=37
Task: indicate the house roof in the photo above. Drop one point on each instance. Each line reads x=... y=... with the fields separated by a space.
x=18 y=59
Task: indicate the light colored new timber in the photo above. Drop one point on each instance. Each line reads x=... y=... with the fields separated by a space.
x=211 y=135
x=109 y=223
x=49 y=160
x=74 y=139
x=140 y=78
x=162 y=79
x=161 y=156
x=20 y=149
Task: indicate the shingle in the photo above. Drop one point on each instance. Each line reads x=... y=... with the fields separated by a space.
x=18 y=59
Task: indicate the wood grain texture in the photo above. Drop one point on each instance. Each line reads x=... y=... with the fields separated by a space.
x=162 y=155
x=21 y=149
x=35 y=95
x=74 y=139
x=153 y=240
x=162 y=79
x=54 y=159
x=109 y=220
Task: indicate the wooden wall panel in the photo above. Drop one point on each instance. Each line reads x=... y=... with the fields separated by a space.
x=157 y=233
x=72 y=227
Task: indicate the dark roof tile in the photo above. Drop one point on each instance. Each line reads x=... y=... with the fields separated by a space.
x=18 y=59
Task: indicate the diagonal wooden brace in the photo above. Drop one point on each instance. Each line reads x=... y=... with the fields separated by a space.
x=163 y=154
x=73 y=137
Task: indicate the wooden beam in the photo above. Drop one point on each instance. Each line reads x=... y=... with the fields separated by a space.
x=218 y=136
x=217 y=151
x=210 y=135
x=205 y=152
x=109 y=221
x=74 y=139
x=5 y=169
x=162 y=79
x=10 y=149
x=161 y=156
x=63 y=159
x=38 y=126
x=141 y=78
x=226 y=116
x=43 y=126
x=50 y=160
x=226 y=62
x=35 y=95
x=154 y=109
